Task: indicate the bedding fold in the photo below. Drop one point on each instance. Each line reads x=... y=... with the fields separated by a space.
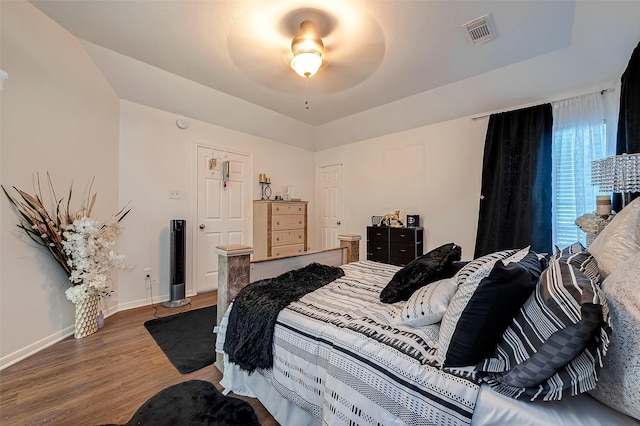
x=256 y=308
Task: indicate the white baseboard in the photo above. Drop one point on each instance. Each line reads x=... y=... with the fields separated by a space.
x=36 y=347
x=33 y=348
x=142 y=302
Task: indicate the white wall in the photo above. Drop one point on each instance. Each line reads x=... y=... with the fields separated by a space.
x=433 y=171
x=58 y=115
x=157 y=157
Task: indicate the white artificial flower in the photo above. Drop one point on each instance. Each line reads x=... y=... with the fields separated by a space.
x=91 y=258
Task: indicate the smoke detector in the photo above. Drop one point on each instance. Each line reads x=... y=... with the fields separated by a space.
x=480 y=30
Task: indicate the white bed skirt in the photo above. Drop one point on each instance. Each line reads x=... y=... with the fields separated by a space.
x=257 y=386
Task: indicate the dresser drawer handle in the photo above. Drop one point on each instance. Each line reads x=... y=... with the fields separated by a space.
x=278 y=223
x=277 y=238
x=403 y=251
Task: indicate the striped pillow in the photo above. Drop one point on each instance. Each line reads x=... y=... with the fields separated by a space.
x=578 y=256
x=427 y=305
x=469 y=278
x=556 y=343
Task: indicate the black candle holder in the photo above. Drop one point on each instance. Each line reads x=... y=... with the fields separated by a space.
x=265 y=190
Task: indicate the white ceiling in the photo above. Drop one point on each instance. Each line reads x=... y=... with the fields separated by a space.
x=380 y=53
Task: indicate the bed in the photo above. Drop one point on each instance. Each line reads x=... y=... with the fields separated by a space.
x=342 y=356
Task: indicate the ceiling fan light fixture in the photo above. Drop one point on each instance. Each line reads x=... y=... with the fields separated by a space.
x=308 y=50
x=306 y=64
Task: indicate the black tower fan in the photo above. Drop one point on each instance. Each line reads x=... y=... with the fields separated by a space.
x=177 y=263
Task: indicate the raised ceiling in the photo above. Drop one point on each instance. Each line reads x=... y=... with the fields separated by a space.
x=379 y=52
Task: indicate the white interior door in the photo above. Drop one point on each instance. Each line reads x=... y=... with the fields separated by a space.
x=331 y=204
x=223 y=209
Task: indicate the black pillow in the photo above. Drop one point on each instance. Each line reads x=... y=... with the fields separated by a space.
x=425 y=269
x=491 y=309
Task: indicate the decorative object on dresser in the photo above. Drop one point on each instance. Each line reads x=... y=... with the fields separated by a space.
x=391 y=219
x=265 y=186
x=279 y=228
x=397 y=246
x=413 y=220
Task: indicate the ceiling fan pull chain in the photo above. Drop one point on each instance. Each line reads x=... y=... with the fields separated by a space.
x=306 y=97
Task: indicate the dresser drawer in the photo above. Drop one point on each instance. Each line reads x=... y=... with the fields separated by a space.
x=378 y=251
x=287 y=221
x=287 y=250
x=377 y=234
x=402 y=235
x=283 y=238
x=288 y=208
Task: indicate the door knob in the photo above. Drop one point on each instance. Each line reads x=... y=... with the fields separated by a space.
x=202 y=226
x=338 y=223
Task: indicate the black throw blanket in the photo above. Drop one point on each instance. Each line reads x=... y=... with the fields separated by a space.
x=253 y=316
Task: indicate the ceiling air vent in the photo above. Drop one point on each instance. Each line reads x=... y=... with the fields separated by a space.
x=480 y=29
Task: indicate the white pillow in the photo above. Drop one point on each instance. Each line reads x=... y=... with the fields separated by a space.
x=469 y=278
x=618 y=381
x=427 y=305
x=619 y=240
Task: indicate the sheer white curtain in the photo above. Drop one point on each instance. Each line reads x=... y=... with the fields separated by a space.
x=579 y=137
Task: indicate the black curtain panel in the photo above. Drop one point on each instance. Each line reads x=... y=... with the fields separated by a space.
x=515 y=207
x=628 y=138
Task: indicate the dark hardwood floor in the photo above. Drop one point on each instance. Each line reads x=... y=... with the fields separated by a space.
x=102 y=378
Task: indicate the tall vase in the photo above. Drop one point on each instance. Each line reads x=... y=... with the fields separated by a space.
x=87 y=317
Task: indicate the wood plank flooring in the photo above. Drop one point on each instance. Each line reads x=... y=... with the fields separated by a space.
x=102 y=378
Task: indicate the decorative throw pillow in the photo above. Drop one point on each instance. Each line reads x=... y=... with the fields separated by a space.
x=618 y=379
x=578 y=256
x=619 y=240
x=425 y=269
x=556 y=342
x=469 y=278
x=427 y=305
x=491 y=309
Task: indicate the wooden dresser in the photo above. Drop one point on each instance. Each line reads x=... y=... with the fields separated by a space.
x=397 y=246
x=279 y=228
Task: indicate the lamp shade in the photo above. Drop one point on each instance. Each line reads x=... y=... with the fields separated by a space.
x=620 y=173
x=306 y=64
x=308 y=50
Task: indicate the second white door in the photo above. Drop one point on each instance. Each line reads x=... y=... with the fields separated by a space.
x=330 y=204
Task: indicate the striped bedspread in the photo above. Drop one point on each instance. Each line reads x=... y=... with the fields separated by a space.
x=337 y=356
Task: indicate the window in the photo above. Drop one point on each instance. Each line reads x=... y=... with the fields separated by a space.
x=579 y=137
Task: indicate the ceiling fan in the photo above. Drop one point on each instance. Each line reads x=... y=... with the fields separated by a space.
x=345 y=48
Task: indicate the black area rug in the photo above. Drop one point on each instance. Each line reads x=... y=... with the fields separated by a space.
x=187 y=339
x=192 y=403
